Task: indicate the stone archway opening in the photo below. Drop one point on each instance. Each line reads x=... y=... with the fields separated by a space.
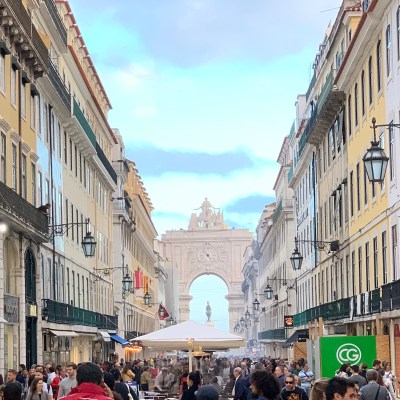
x=209 y=303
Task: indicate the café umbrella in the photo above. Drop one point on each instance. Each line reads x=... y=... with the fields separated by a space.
x=190 y=334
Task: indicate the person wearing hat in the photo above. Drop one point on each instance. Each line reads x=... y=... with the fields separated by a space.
x=207 y=392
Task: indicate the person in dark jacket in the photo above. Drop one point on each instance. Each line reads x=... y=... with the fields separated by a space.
x=239 y=391
x=194 y=382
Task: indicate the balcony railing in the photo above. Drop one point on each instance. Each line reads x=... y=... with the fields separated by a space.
x=277 y=334
x=62 y=313
x=84 y=123
x=16 y=208
x=106 y=163
x=311 y=86
x=55 y=16
x=328 y=105
x=59 y=86
x=364 y=304
x=24 y=20
x=307 y=130
x=391 y=296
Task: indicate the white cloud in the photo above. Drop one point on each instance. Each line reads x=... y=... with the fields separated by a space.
x=181 y=194
x=130 y=78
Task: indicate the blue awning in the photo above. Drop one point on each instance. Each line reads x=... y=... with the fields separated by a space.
x=119 y=340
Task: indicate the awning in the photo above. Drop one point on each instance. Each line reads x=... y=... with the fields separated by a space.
x=3 y=321
x=119 y=340
x=64 y=333
x=106 y=336
x=300 y=335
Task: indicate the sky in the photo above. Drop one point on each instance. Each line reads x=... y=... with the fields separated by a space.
x=203 y=93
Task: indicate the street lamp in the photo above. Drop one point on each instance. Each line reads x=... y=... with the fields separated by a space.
x=88 y=242
x=247 y=315
x=296 y=259
x=147 y=299
x=171 y=321
x=127 y=285
x=270 y=292
x=256 y=305
x=375 y=160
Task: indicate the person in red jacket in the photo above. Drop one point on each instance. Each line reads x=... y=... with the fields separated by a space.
x=89 y=377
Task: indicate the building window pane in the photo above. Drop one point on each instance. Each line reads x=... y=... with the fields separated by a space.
x=375 y=246
x=3 y=172
x=14 y=167
x=388 y=50
x=379 y=65
x=384 y=258
x=23 y=177
x=33 y=183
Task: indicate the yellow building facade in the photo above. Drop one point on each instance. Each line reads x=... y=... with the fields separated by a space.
x=362 y=78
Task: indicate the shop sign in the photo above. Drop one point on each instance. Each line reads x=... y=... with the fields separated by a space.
x=338 y=350
x=288 y=321
x=11 y=309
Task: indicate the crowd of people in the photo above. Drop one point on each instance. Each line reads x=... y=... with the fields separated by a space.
x=244 y=379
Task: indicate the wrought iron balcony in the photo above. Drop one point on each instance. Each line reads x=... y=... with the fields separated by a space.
x=22 y=215
x=35 y=48
x=77 y=112
x=56 y=19
x=59 y=86
x=62 y=313
x=273 y=334
x=391 y=296
x=328 y=105
x=106 y=163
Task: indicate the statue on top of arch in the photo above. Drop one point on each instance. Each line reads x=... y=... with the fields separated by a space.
x=208 y=218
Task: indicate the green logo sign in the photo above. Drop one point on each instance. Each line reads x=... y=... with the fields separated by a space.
x=338 y=350
x=348 y=353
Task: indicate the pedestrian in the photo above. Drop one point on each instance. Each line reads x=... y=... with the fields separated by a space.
x=36 y=391
x=127 y=374
x=306 y=377
x=318 y=391
x=291 y=392
x=342 y=372
x=280 y=375
x=339 y=388
x=68 y=382
x=144 y=379
x=389 y=374
x=239 y=388
x=89 y=377
x=377 y=365
x=372 y=390
x=387 y=383
x=264 y=385
x=12 y=391
x=207 y=392
x=363 y=370
x=217 y=386
x=160 y=382
x=194 y=382
x=356 y=377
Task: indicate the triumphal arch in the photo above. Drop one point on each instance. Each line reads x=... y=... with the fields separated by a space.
x=208 y=246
